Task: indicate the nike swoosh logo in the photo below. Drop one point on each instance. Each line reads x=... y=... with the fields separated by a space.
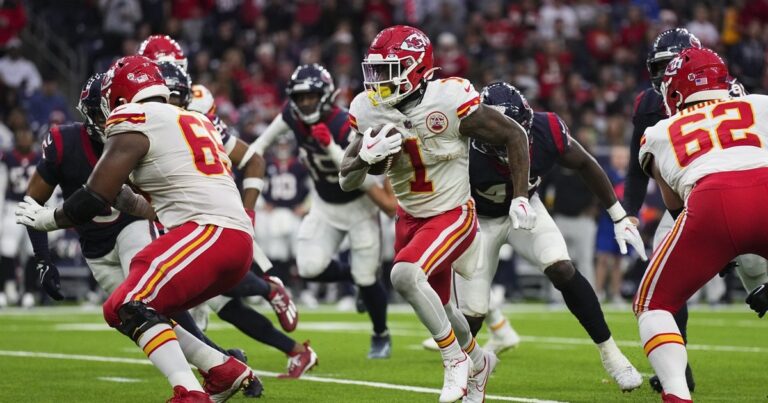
x=369 y=146
x=523 y=207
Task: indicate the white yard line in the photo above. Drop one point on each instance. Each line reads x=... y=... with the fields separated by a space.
x=119 y=379
x=364 y=328
x=380 y=385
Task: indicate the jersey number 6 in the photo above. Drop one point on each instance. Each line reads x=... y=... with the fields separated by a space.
x=691 y=144
x=201 y=139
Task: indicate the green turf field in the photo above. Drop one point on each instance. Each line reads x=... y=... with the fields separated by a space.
x=68 y=355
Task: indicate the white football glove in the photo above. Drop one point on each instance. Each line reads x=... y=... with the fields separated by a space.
x=376 y=148
x=626 y=231
x=522 y=213
x=32 y=214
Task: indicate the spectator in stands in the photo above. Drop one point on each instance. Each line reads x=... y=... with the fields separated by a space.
x=16 y=71
x=609 y=259
x=450 y=58
x=120 y=19
x=703 y=28
x=12 y=20
x=556 y=12
x=44 y=102
x=747 y=57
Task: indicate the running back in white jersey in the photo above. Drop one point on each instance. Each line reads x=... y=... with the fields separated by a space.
x=186 y=171
x=433 y=176
x=713 y=136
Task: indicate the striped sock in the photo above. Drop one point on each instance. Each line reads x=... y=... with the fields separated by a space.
x=161 y=347
x=665 y=349
x=476 y=353
x=449 y=346
x=198 y=353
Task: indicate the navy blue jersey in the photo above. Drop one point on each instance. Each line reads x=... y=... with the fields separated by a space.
x=20 y=167
x=649 y=110
x=489 y=176
x=324 y=171
x=286 y=183
x=69 y=156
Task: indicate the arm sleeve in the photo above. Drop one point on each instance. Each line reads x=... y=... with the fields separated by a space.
x=49 y=166
x=39 y=241
x=636 y=184
x=275 y=129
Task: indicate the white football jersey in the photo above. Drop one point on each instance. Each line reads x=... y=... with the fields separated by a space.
x=186 y=171
x=432 y=175
x=202 y=100
x=714 y=136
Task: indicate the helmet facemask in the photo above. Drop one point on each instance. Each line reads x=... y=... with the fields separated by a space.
x=385 y=80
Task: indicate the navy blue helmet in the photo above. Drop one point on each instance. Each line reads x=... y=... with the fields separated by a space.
x=510 y=101
x=89 y=107
x=311 y=78
x=666 y=46
x=178 y=81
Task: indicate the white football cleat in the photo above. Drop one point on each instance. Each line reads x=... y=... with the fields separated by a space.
x=623 y=372
x=455 y=379
x=502 y=339
x=430 y=344
x=479 y=379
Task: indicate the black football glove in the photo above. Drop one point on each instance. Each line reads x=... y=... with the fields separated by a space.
x=758 y=299
x=49 y=278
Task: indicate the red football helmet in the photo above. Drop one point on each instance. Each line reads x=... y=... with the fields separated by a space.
x=131 y=79
x=398 y=60
x=162 y=48
x=695 y=74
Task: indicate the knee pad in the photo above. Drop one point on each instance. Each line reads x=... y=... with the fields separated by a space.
x=560 y=272
x=404 y=275
x=311 y=265
x=365 y=266
x=136 y=318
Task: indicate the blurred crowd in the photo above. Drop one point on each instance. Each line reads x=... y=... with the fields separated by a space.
x=583 y=59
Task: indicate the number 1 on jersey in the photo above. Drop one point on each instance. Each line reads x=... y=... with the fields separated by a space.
x=419 y=184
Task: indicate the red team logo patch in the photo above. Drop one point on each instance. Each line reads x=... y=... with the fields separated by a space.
x=437 y=122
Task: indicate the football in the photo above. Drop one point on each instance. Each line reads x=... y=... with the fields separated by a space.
x=383 y=166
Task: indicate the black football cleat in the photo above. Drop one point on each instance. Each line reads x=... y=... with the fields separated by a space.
x=381 y=346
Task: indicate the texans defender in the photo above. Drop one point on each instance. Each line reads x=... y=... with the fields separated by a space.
x=649 y=110
x=544 y=245
x=18 y=166
x=436 y=229
x=322 y=132
x=710 y=161
x=177 y=158
x=231 y=307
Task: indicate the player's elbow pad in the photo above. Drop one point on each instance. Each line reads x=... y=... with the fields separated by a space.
x=83 y=205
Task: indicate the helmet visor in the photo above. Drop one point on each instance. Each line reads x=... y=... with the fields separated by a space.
x=381 y=80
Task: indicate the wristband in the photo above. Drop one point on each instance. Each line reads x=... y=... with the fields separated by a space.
x=616 y=212
x=253 y=183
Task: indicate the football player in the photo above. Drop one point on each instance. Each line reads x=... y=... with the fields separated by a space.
x=322 y=132
x=430 y=121
x=301 y=357
x=162 y=48
x=649 y=110
x=16 y=167
x=710 y=162
x=551 y=144
x=177 y=158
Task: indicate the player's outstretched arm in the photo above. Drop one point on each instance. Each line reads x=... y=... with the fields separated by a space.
x=578 y=159
x=253 y=166
x=491 y=126
x=122 y=153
